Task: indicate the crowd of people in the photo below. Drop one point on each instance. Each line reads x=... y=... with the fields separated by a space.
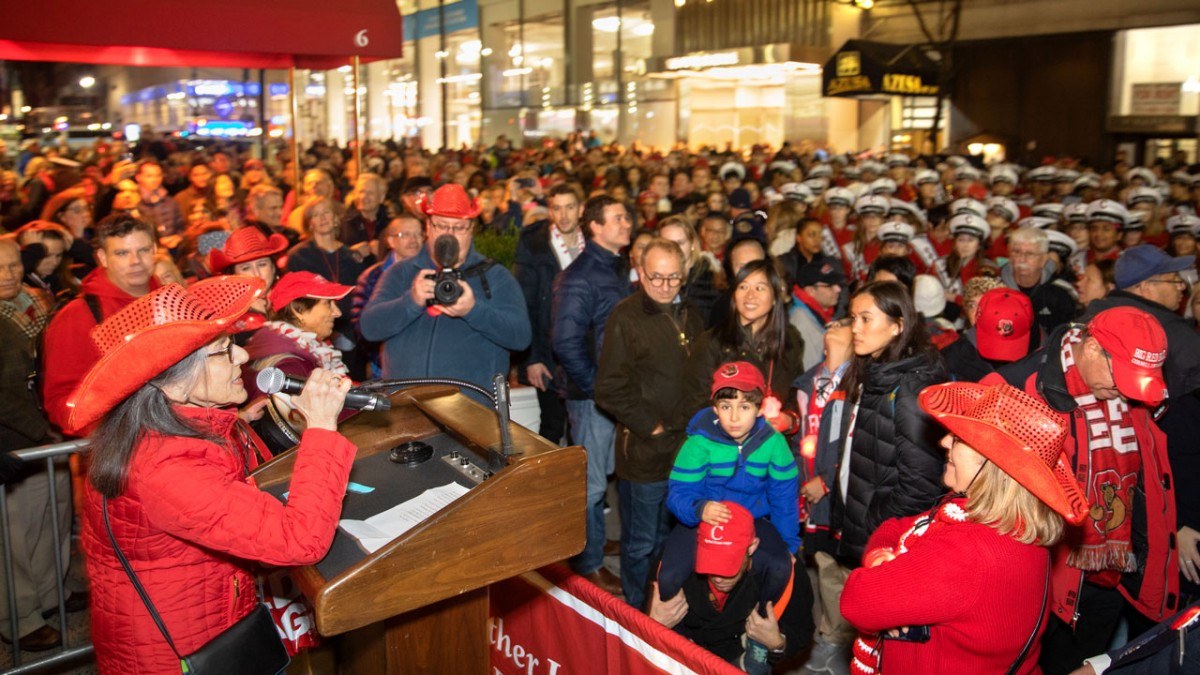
x=865 y=413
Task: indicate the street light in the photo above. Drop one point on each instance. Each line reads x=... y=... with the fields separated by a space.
x=87 y=81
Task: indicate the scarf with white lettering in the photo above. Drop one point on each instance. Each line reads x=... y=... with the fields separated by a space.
x=1108 y=474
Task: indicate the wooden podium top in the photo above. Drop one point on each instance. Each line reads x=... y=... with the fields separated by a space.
x=528 y=513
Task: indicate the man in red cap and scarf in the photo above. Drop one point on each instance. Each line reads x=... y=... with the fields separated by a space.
x=1106 y=378
x=469 y=338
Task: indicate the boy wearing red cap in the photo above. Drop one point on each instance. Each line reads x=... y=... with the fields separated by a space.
x=716 y=606
x=1105 y=378
x=733 y=455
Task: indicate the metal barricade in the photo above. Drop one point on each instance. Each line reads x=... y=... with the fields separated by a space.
x=68 y=654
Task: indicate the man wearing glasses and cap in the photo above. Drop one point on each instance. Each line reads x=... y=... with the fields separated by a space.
x=1106 y=377
x=470 y=339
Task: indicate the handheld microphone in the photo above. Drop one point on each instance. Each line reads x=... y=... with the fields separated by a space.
x=274 y=381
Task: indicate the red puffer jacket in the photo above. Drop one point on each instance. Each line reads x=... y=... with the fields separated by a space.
x=190 y=522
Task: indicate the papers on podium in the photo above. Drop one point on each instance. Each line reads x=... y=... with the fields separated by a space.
x=374 y=532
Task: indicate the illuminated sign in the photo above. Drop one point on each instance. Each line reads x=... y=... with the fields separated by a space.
x=849 y=64
x=841 y=85
x=909 y=85
x=698 y=61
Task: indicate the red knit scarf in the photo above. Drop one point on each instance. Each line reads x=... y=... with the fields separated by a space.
x=826 y=315
x=1108 y=474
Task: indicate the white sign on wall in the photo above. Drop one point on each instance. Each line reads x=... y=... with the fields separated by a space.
x=1155 y=98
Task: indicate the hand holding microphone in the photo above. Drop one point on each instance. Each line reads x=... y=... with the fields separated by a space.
x=322 y=397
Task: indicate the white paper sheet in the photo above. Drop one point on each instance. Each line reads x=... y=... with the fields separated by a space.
x=374 y=532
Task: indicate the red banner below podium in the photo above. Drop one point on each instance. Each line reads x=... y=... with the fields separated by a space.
x=553 y=622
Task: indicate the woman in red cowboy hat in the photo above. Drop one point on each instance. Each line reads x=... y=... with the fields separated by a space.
x=248 y=251
x=972 y=573
x=169 y=471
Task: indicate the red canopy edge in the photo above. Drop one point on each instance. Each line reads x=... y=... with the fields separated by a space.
x=317 y=34
x=11 y=50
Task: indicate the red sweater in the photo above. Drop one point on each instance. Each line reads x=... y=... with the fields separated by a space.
x=979 y=591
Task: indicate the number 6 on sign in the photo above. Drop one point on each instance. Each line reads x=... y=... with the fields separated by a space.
x=360 y=38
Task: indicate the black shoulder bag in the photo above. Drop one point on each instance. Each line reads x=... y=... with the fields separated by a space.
x=249 y=647
x=1036 y=629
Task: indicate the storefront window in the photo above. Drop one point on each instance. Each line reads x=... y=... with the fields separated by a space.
x=1157 y=75
x=529 y=73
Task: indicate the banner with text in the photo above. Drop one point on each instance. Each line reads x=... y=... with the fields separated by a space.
x=552 y=622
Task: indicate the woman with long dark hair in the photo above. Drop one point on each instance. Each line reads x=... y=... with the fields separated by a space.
x=877 y=453
x=891 y=464
x=168 y=484
x=757 y=331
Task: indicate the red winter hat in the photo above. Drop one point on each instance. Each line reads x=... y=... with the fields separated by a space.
x=721 y=549
x=451 y=201
x=243 y=245
x=740 y=375
x=1017 y=432
x=1002 y=325
x=153 y=333
x=295 y=285
x=1137 y=346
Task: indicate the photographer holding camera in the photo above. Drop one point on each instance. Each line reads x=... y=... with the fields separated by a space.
x=447 y=311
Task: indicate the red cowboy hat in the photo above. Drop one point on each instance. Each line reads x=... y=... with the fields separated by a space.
x=451 y=201
x=243 y=245
x=153 y=333
x=1017 y=432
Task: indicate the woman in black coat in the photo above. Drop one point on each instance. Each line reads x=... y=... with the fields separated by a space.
x=894 y=464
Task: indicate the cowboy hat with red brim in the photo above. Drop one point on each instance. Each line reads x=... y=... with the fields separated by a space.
x=244 y=245
x=1017 y=432
x=153 y=333
x=451 y=201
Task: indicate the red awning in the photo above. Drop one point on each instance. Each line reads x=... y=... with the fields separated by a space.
x=319 y=34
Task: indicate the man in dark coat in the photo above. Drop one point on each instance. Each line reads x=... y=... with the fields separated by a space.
x=584 y=295
x=639 y=382
x=546 y=248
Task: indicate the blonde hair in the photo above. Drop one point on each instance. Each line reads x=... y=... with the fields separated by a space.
x=997 y=500
x=689 y=232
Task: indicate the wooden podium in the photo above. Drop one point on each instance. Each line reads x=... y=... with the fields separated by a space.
x=420 y=603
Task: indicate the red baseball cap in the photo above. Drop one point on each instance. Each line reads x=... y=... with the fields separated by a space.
x=1137 y=346
x=1002 y=325
x=740 y=375
x=721 y=549
x=295 y=285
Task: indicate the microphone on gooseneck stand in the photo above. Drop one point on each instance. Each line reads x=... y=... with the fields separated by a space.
x=275 y=381
x=500 y=383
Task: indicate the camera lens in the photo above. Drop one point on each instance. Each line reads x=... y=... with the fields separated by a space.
x=447 y=291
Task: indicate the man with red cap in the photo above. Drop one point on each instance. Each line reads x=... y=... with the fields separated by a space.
x=716 y=606
x=1001 y=334
x=1150 y=280
x=472 y=337
x=1105 y=377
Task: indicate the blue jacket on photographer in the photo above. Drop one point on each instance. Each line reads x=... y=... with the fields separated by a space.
x=473 y=337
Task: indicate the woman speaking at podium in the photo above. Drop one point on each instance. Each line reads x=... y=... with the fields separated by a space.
x=169 y=501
